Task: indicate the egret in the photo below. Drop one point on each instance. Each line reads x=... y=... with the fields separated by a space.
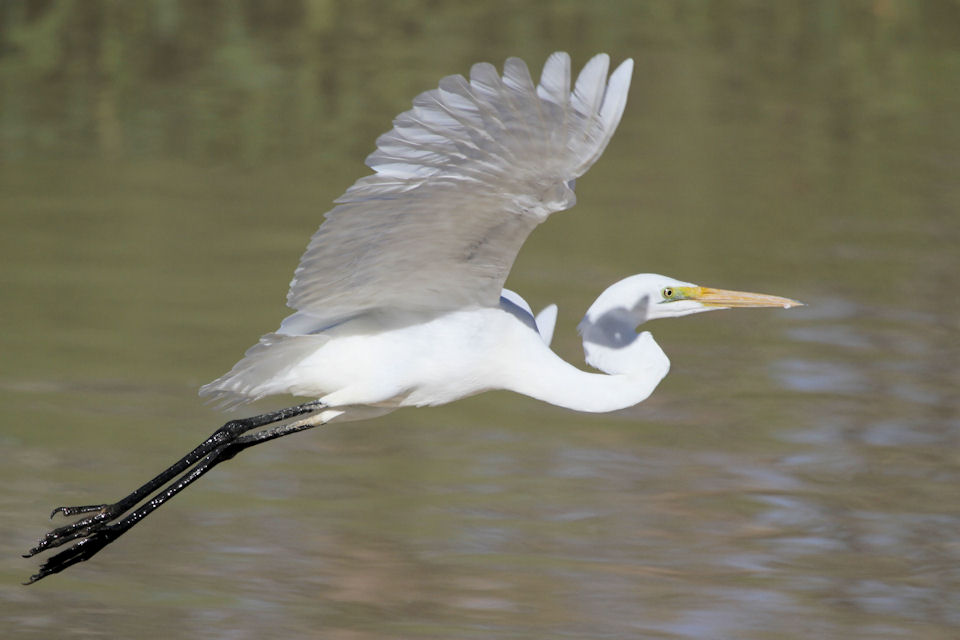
x=399 y=300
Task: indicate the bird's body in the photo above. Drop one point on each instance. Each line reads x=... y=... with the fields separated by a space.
x=399 y=299
x=391 y=360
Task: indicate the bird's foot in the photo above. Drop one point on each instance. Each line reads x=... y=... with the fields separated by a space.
x=95 y=540
x=102 y=514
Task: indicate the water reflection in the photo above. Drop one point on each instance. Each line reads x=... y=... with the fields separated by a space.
x=163 y=164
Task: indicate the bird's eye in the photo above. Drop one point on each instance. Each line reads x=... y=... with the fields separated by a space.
x=667 y=292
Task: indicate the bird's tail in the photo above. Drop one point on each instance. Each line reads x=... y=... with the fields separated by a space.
x=263 y=370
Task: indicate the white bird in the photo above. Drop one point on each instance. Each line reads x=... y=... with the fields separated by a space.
x=399 y=298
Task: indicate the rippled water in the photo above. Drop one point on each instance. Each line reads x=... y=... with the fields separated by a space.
x=162 y=167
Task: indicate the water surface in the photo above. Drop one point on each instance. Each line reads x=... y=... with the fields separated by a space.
x=163 y=164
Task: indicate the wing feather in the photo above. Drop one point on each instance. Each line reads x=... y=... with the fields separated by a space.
x=459 y=183
x=555 y=79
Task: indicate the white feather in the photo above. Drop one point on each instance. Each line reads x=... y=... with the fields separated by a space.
x=546 y=322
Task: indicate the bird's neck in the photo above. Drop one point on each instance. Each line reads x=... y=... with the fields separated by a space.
x=633 y=371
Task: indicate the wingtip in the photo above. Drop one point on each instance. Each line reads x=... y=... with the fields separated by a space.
x=600 y=58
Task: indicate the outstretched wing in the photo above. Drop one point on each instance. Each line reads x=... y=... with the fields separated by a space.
x=459 y=183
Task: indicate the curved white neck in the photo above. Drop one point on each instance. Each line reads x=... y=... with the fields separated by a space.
x=634 y=371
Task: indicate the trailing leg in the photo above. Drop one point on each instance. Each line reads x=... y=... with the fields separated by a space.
x=102 y=513
x=100 y=534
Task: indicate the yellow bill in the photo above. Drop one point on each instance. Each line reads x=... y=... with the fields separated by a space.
x=726 y=298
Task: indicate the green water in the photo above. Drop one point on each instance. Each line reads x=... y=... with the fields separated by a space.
x=163 y=164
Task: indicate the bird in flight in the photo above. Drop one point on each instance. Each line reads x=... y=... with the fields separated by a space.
x=399 y=299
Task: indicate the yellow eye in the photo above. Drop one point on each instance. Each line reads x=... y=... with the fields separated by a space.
x=667 y=292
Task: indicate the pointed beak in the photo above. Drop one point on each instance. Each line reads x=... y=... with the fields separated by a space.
x=724 y=298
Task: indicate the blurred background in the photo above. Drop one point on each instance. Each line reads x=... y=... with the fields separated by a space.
x=163 y=164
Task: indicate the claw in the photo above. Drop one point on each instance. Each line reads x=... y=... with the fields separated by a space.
x=56 y=538
x=83 y=550
x=73 y=511
x=81 y=528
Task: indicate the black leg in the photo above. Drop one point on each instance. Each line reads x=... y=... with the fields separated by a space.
x=97 y=529
x=107 y=512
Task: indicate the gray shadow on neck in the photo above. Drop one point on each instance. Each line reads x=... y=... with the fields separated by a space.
x=616 y=328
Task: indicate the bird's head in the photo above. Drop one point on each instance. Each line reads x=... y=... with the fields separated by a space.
x=648 y=296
